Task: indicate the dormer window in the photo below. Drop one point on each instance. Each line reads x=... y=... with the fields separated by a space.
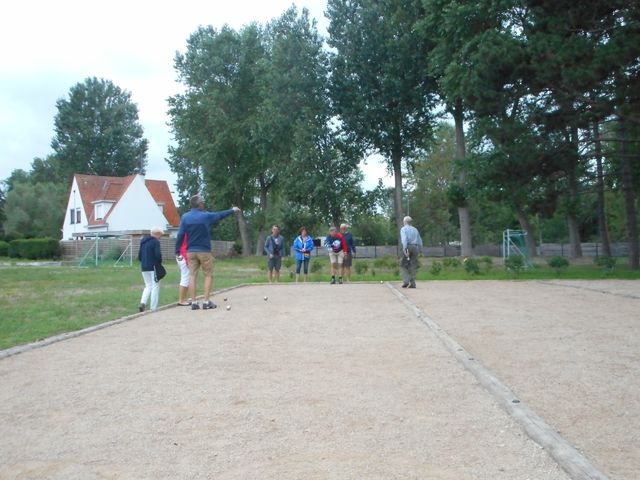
x=101 y=209
x=161 y=207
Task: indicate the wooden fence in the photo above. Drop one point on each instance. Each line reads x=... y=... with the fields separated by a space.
x=111 y=248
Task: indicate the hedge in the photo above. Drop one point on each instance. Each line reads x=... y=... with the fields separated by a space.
x=4 y=249
x=34 y=248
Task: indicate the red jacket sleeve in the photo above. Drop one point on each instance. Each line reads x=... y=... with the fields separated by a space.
x=345 y=248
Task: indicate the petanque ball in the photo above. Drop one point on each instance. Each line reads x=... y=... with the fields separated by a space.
x=266 y=298
x=228 y=307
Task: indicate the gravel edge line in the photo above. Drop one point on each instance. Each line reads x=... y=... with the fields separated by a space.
x=568 y=457
x=9 y=352
x=579 y=287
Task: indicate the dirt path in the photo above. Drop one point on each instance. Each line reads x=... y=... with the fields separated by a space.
x=323 y=382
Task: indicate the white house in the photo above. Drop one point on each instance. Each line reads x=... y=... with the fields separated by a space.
x=117 y=206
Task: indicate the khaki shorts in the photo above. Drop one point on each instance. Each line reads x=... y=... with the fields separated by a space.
x=336 y=257
x=200 y=259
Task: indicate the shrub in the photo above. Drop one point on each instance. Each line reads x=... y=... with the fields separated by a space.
x=237 y=247
x=288 y=261
x=471 y=266
x=436 y=268
x=487 y=262
x=34 y=248
x=4 y=249
x=558 y=263
x=608 y=263
x=316 y=266
x=114 y=253
x=451 y=262
x=361 y=267
x=385 y=262
x=514 y=263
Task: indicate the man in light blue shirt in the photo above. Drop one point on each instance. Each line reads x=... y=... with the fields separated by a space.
x=411 y=247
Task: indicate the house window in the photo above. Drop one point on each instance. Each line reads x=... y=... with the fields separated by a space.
x=72 y=216
x=78 y=215
x=98 y=211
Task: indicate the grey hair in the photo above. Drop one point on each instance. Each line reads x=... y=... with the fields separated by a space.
x=407 y=220
x=196 y=200
x=157 y=230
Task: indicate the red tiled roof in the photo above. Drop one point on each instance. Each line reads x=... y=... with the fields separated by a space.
x=93 y=188
x=160 y=192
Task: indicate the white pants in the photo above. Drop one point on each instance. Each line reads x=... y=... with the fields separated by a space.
x=184 y=272
x=151 y=288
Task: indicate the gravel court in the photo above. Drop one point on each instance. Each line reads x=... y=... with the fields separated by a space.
x=570 y=349
x=318 y=382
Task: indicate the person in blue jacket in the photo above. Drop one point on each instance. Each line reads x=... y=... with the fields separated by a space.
x=303 y=245
x=150 y=257
x=196 y=225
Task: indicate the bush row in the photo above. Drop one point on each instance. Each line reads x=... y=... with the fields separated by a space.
x=31 y=248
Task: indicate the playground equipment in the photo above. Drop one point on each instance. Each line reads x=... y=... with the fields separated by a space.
x=514 y=243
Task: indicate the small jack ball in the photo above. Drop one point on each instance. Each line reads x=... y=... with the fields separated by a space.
x=228 y=307
x=266 y=298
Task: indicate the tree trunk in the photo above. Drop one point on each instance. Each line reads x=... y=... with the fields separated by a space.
x=626 y=177
x=396 y=161
x=572 y=220
x=523 y=218
x=575 y=247
x=244 y=235
x=262 y=230
x=466 y=241
x=602 y=218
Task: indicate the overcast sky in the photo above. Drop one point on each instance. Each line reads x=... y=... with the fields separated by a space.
x=49 y=46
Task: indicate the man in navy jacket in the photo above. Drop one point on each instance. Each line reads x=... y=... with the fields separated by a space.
x=196 y=224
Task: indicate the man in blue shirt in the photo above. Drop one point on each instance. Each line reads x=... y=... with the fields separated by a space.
x=196 y=225
x=274 y=248
x=411 y=247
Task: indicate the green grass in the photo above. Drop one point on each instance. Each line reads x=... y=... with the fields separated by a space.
x=37 y=302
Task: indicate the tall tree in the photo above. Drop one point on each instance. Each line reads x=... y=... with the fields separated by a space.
x=450 y=61
x=430 y=179
x=97 y=132
x=213 y=119
x=291 y=131
x=381 y=87
x=34 y=210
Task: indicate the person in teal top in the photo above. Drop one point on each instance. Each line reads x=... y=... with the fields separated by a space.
x=303 y=245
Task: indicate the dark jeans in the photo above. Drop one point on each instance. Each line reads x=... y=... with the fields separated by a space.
x=306 y=265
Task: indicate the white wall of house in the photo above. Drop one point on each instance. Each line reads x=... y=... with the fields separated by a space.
x=136 y=210
x=74 y=203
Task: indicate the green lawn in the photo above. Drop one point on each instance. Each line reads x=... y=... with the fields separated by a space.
x=37 y=302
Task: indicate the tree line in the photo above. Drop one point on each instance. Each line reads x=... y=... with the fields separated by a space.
x=490 y=115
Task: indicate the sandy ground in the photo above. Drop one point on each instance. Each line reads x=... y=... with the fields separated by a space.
x=570 y=349
x=332 y=382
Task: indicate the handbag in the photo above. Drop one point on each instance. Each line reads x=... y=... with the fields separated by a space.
x=159 y=272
